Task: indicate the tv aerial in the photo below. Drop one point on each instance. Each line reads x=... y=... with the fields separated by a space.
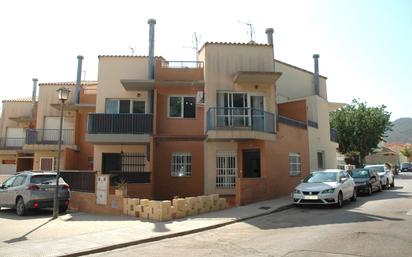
x=250 y=30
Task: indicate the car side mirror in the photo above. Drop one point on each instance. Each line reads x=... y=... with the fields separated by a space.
x=342 y=180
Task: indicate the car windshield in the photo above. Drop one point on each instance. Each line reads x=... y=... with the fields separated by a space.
x=378 y=168
x=320 y=177
x=359 y=173
x=45 y=179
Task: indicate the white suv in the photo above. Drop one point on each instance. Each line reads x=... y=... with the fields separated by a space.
x=385 y=174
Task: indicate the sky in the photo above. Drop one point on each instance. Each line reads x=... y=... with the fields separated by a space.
x=365 y=46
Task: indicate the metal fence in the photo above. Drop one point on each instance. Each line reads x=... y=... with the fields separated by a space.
x=82 y=181
x=182 y=65
x=121 y=123
x=48 y=136
x=239 y=118
x=292 y=122
x=11 y=142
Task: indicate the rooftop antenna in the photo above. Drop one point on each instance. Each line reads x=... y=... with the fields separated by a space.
x=250 y=30
x=195 y=45
x=132 y=49
x=84 y=75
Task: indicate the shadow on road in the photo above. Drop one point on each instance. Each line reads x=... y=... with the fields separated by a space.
x=24 y=237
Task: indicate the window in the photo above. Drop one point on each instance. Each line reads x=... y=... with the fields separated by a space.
x=321 y=162
x=182 y=106
x=9 y=182
x=125 y=106
x=123 y=162
x=294 y=164
x=181 y=164
x=226 y=169
x=19 y=181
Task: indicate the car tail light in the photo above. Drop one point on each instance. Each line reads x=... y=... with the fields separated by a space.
x=66 y=187
x=36 y=205
x=33 y=187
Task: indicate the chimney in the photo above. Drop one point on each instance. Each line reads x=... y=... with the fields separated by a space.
x=33 y=98
x=150 y=64
x=269 y=34
x=316 y=75
x=78 y=79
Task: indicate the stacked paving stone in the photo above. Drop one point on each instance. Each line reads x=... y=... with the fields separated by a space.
x=176 y=209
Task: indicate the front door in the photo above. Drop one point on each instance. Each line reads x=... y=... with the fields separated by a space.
x=46 y=163
x=251 y=163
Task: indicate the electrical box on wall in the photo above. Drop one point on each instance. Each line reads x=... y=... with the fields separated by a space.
x=102 y=189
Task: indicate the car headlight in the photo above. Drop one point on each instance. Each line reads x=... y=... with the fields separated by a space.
x=297 y=191
x=328 y=191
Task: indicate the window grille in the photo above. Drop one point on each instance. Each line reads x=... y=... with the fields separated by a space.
x=294 y=164
x=181 y=164
x=226 y=170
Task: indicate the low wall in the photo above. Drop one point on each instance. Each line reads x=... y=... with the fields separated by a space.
x=249 y=190
x=86 y=202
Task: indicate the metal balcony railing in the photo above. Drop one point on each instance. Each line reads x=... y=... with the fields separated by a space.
x=11 y=142
x=182 y=65
x=224 y=118
x=48 y=136
x=122 y=123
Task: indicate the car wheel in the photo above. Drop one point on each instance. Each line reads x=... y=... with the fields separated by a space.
x=387 y=183
x=20 y=207
x=339 y=203
x=393 y=183
x=370 y=190
x=354 y=196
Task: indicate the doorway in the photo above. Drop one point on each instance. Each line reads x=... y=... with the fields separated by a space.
x=251 y=163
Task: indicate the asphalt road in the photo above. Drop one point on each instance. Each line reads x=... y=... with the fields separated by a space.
x=378 y=225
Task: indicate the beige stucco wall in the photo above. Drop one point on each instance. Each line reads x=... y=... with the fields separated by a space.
x=296 y=83
x=48 y=96
x=39 y=154
x=13 y=109
x=99 y=149
x=111 y=71
x=211 y=149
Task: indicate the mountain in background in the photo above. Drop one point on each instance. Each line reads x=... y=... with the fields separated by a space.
x=401 y=131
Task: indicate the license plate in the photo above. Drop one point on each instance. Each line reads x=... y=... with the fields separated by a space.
x=311 y=197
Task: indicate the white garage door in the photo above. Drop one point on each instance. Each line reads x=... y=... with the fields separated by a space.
x=15 y=137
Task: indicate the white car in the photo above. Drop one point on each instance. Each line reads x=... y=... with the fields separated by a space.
x=385 y=174
x=325 y=187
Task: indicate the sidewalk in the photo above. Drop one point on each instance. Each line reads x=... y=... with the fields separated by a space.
x=80 y=240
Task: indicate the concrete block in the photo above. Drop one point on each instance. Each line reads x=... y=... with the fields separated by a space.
x=180 y=204
x=173 y=212
x=144 y=202
x=125 y=206
x=155 y=205
x=222 y=204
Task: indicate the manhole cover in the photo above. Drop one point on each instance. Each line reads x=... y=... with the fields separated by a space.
x=264 y=208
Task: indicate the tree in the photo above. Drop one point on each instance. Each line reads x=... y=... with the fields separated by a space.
x=407 y=152
x=360 y=129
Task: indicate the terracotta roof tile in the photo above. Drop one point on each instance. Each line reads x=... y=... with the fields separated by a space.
x=130 y=56
x=23 y=99
x=69 y=83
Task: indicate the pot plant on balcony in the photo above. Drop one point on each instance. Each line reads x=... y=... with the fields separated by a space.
x=121 y=188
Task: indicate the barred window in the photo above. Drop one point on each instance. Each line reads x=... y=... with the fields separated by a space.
x=294 y=164
x=226 y=170
x=181 y=164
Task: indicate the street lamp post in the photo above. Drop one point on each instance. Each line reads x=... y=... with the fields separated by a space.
x=63 y=95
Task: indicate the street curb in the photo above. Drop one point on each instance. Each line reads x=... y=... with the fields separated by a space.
x=173 y=235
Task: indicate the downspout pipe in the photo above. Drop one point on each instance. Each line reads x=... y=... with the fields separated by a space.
x=78 y=79
x=33 y=98
x=150 y=63
x=316 y=74
x=269 y=34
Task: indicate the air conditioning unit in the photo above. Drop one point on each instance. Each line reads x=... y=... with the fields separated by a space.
x=200 y=97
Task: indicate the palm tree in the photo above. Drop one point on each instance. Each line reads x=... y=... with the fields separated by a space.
x=407 y=152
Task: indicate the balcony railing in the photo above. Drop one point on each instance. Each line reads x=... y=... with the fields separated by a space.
x=11 y=142
x=223 y=118
x=122 y=123
x=48 y=136
x=333 y=135
x=182 y=65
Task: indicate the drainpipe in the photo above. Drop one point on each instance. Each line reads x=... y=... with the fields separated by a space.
x=269 y=34
x=150 y=64
x=78 y=79
x=316 y=75
x=33 y=98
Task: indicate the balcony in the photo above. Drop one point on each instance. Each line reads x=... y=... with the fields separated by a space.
x=11 y=143
x=179 y=73
x=48 y=139
x=123 y=128
x=240 y=123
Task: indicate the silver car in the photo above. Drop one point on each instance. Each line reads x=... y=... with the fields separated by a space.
x=325 y=187
x=33 y=190
x=385 y=173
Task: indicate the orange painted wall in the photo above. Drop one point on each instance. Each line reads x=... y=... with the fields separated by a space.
x=70 y=159
x=275 y=180
x=177 y=126
x=85 y=150
x=182 y=74
x=166 y=186
x=295 y=110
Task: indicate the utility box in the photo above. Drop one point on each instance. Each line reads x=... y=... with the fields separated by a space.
x=102 y=189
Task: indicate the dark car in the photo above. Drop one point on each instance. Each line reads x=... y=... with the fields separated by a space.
x=366 y=180
x=406 y=167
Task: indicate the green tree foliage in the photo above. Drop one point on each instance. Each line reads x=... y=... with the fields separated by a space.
x=360 y=129
x=407 y=152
